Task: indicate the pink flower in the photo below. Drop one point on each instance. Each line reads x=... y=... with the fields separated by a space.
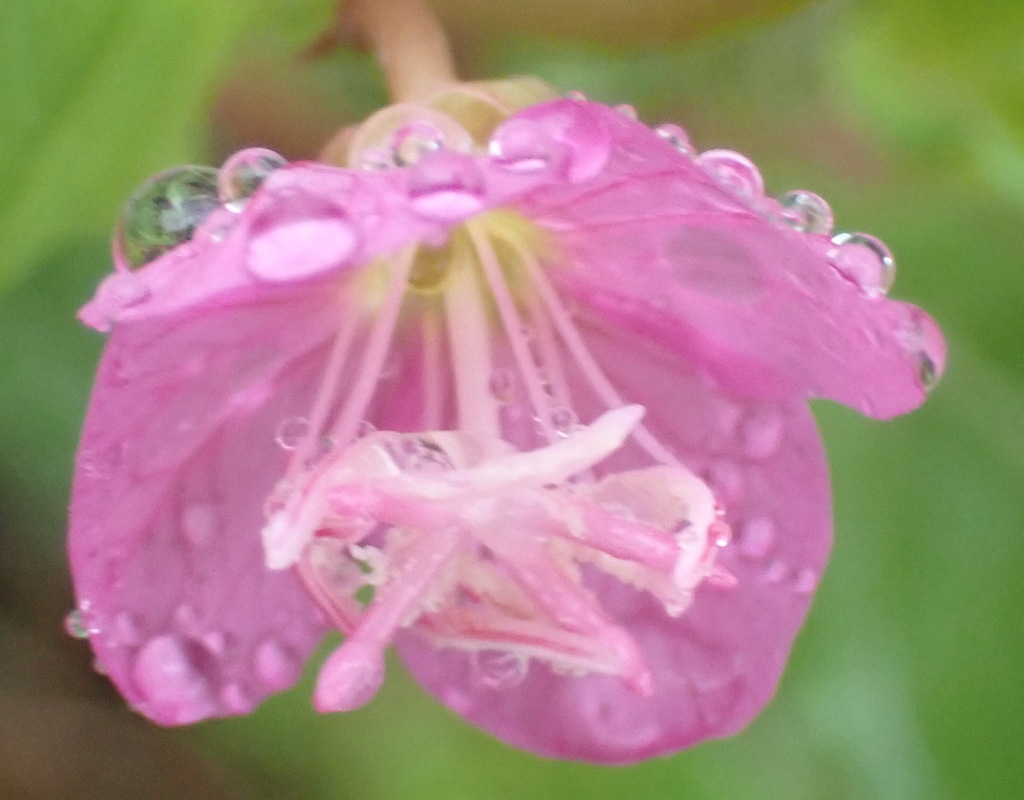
x=527 y=403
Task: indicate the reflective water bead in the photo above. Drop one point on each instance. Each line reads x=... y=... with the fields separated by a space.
x=413 y=141
x=628 y=111
x=806 y=212
x=677 y=137
x=244 y=172
x=74 y=624
x=290 y=432
x=734 y=171
x=446 y=186
x=864 y=260
x=524 y=147
x=575 y=95
x=165 y=212
x=564 y=421
x=418 y=454
x=497 y=669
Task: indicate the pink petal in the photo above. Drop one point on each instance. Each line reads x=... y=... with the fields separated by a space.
x=657 y=245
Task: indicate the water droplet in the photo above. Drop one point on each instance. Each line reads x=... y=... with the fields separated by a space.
x=373 y=159
x=165 y=211
x=275 y=665
x=761 y=433
x=502 y=385
x=186 y=618
x=236 y=699
x=200 y=523
x=244 y=172
x=499 y=669
x=418 y=454
x=628 y=111
x=524 y=147
x=575 y=95
x=300 y=236
x=446 y=186
x=865 y=261
x=757 y=537
x=413 y=141
x=928 y=371
x=564 y=421
x=74 y=624
x=805 y=581
x=806 y=212
x=291 y=432
x=127 y=629
x=734 y=171
x=677 y=137
x=175 y=677
x=776 y=571
x=721 y=533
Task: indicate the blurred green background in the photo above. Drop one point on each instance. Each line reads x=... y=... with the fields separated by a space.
x=907 y=115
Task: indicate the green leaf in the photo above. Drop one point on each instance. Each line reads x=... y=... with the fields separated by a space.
x=97 y=96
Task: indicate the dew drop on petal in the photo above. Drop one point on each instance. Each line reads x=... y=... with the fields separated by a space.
x=299 y=237
x=576 y=95
x=502 y=384
x=761 y=433
x=497 y=669
x=806 y=212
x=734 y=171
x=865 y=261
x=415 y=140
x=418 y=454
x=677 y=137
x=235 y=699
x=200 y=523
x=756 y=537
x=176 y=678
x=291 y=432
x=244 y=172
x=74 y=624
x=275 y=665
x=805 y=581
x=446 y=187
x=564 y=421
x=165 y=211
x=524 y=147
x=626 y=110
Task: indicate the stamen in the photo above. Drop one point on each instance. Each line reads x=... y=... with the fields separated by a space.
x=347 y=422
x=433 y=390
x=470 y=343
x=578 y=349
x=328 y=387
x=513 y=324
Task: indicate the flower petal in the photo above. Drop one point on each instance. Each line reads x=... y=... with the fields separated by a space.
x=176 y=460
x=657 y=244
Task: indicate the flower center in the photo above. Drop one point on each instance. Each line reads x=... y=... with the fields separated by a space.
x=480 y=513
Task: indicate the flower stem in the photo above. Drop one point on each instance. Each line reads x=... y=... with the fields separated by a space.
x=409 y=43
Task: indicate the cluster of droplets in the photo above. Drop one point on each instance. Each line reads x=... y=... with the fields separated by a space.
x=859 y=257
x=166 y=210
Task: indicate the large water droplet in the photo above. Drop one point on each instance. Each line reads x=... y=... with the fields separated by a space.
x=300 y=236
x=524 y=147
x=734 y=171
x=497 y=669
x=244 y=172
x=446 y=186
x=761 y=433
x=865 y=261
x=74 y=624
x=275 y=665
x=564 y=421
x=806 y=212
x=165 y=211
x=757 y=537
x=200 y=523
x=626 y=110
x=677 y=137
x=176 y=678
x=291 y=432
